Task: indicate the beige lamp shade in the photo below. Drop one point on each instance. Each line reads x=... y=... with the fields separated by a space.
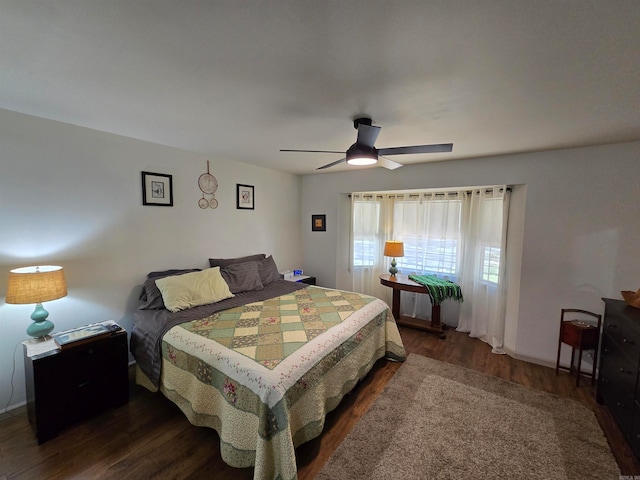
x=36 y=284
x=393 y=248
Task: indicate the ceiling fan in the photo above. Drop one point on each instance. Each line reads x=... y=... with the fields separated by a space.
x=363 y=151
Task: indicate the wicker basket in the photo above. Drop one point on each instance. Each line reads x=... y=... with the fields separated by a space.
x=632 y=298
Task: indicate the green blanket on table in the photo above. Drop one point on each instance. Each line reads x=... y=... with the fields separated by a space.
x=439 y=289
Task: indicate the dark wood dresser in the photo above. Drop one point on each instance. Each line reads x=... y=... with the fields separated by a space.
x=619 y=363
x=65 y=386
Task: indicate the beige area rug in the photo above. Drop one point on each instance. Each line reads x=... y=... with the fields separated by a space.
x=439 y=421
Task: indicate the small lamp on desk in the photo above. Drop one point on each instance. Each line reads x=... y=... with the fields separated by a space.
x=393 y=249
x=36 y=285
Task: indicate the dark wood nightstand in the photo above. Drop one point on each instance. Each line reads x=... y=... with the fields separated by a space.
x=307 y=279
x=68 y=385
x=301 y=279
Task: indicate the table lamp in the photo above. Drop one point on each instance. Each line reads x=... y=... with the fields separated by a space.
x=393 y=249
x=36 y=285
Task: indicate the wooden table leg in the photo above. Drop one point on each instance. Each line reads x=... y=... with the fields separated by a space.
x=435 y=316
x=578 y=372
x=395 y=306
x=436 y=326
x=433 y=326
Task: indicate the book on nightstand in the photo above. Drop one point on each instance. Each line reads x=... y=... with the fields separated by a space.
x=77 y=336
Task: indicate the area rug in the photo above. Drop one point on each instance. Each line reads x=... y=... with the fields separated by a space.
x=439 y=421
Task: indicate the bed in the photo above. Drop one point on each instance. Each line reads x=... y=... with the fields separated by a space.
x=264 y=366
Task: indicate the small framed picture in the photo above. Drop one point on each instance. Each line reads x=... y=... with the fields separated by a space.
x=245 y=199
x=318 y=223
x=157 y=189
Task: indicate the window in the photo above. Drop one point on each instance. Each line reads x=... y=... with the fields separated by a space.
x=490 y=264
x=430 y=227
x=426 y=255
x=363 y=252
x=457 y=235
x=366 y=215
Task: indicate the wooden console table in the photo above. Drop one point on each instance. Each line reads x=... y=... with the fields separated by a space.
x=400 y=283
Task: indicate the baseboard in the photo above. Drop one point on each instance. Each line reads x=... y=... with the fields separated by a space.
x=525 y=358
x=9 y=408
x=586 y=367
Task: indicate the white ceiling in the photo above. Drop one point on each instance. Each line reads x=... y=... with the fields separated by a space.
x=241 y=79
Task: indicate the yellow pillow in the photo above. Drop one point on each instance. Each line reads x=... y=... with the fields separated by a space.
x=192 y=289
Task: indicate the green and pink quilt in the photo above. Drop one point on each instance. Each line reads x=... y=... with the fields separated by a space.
x=265 y=374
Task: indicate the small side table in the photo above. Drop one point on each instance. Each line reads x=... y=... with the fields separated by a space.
x=580 y=335
x=68 y=385
x=304 y=279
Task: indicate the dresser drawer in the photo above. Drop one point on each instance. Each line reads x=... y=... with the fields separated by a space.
x=613 y=326
x=622 y=408
x=617 y=369
x=611 y=390
x=634 y=438
x=579 y=336
x=623 y=334
x=621 y=405
x=630 y=343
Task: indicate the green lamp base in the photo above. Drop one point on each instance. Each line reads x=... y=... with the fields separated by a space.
x=393 y=270
x=41 y=327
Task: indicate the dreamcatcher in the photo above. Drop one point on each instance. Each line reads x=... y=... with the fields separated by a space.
x=208 y=184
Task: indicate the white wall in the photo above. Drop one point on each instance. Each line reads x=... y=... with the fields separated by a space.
x=72 y=196
x=581 y=228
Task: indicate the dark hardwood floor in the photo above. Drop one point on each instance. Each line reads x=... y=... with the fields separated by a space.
x=150 y=438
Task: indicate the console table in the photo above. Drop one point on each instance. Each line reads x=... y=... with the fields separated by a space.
x=400 y=283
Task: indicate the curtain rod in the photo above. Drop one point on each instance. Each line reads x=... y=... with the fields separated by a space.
x=453 y=192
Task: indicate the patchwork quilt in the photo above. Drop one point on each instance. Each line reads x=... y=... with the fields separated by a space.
x=265 y=374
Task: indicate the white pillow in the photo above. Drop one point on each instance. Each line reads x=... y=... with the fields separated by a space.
x=192 y=289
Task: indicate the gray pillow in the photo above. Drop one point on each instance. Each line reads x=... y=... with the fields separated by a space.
x=268 y=270
x=242 y=277
x=225 y=262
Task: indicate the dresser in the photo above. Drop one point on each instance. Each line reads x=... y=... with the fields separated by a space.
x=68 y=385
x=619 y=362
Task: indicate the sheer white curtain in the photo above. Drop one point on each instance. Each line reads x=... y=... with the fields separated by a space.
x=482 y=279
x=372 y=223
x=429 y=225
x=456 y=235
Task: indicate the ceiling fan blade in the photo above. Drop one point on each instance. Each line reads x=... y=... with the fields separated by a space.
x=435 y=148
x=388 y=164
x=367 y=135
x=312 y=151
x=331 y=164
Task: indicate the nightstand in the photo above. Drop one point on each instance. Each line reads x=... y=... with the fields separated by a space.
x=304 y=279
x=68 y=385
x=579 y=335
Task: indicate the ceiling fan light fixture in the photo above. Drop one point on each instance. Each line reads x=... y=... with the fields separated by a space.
x=359 y=155
x=362 y=161
x=364 y=152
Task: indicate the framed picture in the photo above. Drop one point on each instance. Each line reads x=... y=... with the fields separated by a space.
x=318 y=223
x=157 y=189
x=245 y=199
